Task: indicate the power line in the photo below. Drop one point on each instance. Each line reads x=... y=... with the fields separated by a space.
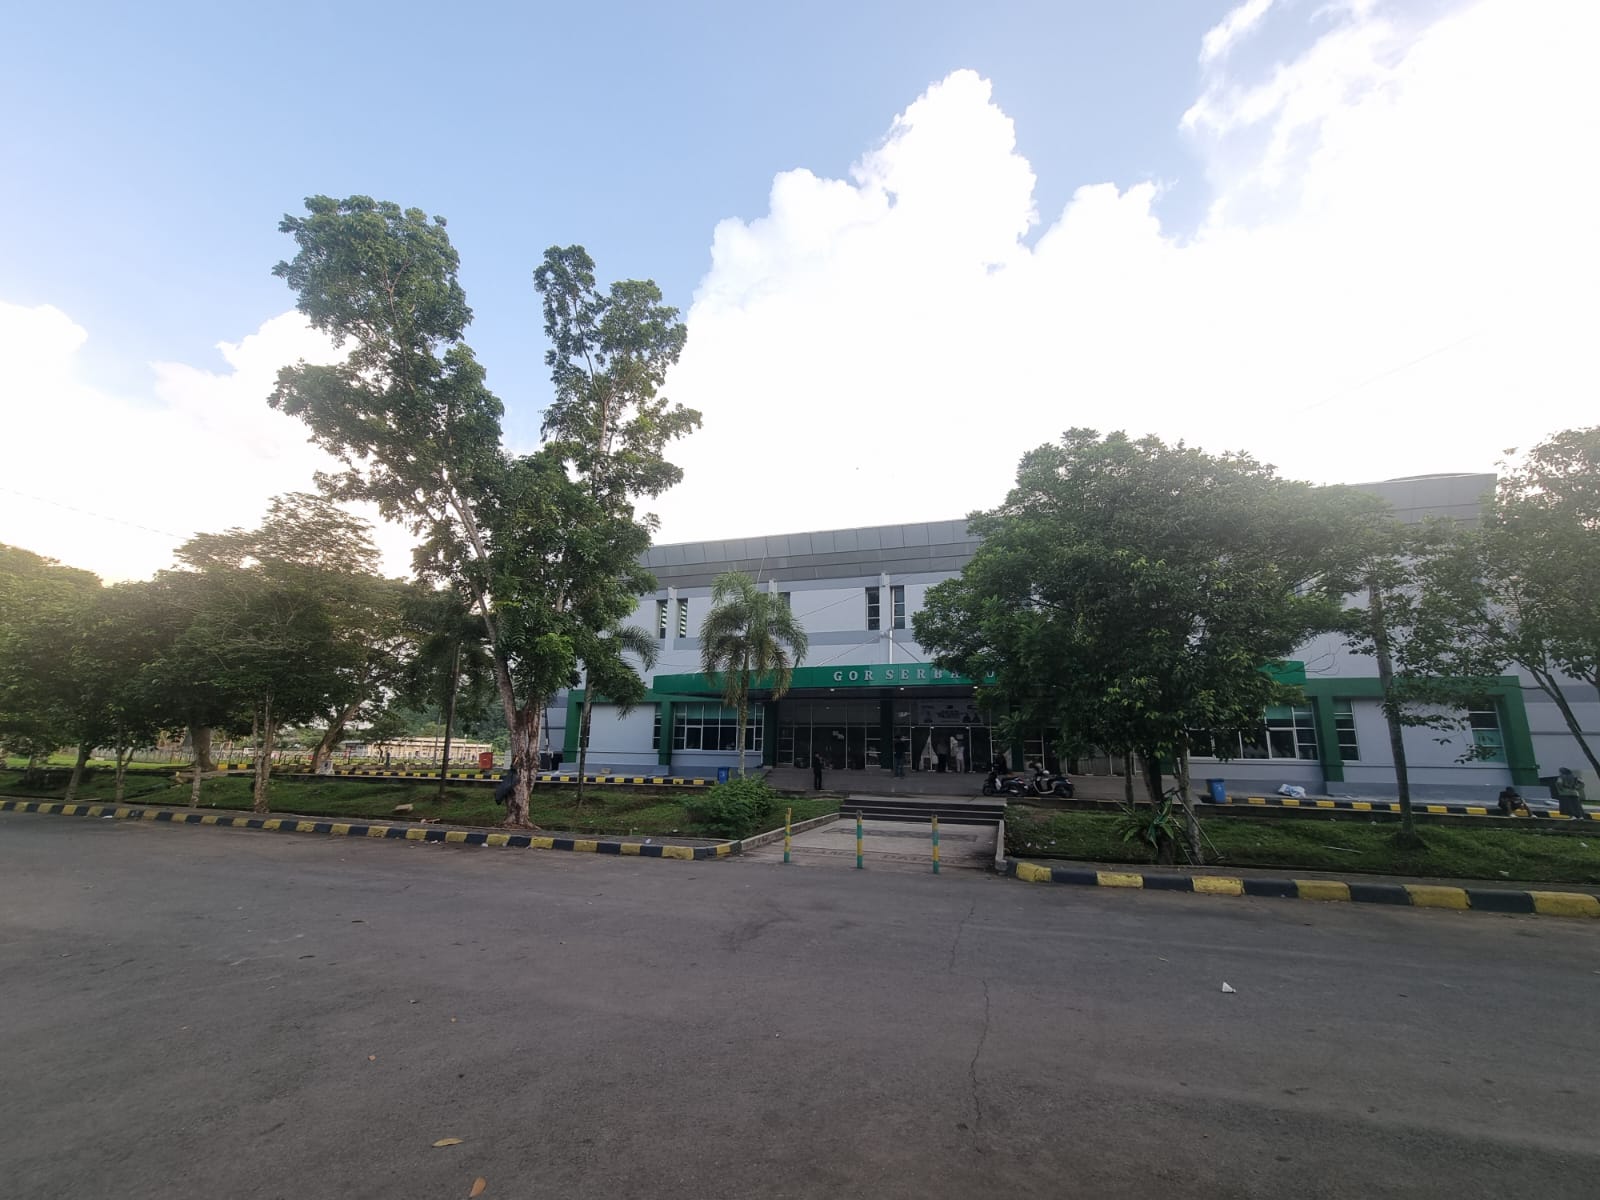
x=99 y=516
x=1395 y=370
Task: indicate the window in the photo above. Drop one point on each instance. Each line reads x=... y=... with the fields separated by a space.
x=1287 y=731
x=1344 y=720
x=783 y=599
x=872 y=608
x=713 y=727
x=655 y=730
x=1486 y=737
x=1291 y=733
x=897 y=598
x=661 y=618
x=683 y=617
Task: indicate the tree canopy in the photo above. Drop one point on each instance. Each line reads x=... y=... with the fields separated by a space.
x=547 y=544
x=748 y=633
x=1130 y=592
x=1522 y=588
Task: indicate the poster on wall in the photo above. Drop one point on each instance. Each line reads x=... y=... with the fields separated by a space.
x=955 y=711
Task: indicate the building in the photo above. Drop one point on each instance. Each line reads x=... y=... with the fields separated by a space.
x=866 y=684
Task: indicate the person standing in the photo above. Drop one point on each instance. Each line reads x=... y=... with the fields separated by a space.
x=901 y=750
x=816 y=770
x=1568 y=792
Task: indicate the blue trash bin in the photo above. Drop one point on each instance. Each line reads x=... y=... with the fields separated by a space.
x=722 y=774
x=1219 y=790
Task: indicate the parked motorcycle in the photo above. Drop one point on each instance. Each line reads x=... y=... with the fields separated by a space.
x=1004 y=785
x=1047 y=784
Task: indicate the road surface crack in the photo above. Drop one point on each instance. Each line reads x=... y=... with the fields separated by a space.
x=972 y=1067
x=956 y=941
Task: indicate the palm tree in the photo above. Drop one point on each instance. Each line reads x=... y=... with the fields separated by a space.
x=748 y=633
x=606 y=671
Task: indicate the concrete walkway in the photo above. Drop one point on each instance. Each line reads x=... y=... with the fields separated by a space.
x=887 y=845
x=969 y=784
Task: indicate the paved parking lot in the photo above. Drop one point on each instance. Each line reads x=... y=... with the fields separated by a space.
x=198 y=1012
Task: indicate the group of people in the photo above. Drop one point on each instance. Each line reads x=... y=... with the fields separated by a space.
x=952 y=758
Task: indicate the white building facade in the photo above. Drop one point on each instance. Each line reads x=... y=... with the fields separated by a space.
x=866 y=686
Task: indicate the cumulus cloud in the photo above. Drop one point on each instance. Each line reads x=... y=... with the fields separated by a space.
x=1394 y=276
x=115 y=483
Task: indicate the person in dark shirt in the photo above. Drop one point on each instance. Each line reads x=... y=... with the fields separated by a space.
x=506 y=787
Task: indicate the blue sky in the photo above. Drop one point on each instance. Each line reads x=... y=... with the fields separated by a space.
x=164 y=142
x=911 y=241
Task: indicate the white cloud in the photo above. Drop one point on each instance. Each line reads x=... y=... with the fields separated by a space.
x=114 y=483
x=1395 y=276
x=1238 y=22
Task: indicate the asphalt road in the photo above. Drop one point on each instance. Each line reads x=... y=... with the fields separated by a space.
x=219 y=1013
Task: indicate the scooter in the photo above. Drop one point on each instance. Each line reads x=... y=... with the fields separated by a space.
x=1046 y=784
x=1004 y=785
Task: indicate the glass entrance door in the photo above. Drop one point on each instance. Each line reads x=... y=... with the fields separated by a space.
x=847 y=733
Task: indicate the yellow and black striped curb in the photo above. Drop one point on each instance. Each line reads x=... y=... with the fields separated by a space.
x=301 y=772
x=1381 y=806
x=1413 y=895
x=409 y=833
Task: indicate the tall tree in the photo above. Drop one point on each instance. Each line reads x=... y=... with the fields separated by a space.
x=119 y=639
x=1373 y=574
x=1523 y=588
x=279 y=617
x=378 y=640
x=44 y=609
x=546 y=543
x=748 y=633
x=184 y=693
x=1129 y=593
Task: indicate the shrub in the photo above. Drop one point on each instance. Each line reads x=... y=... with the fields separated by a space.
x=734 y=809
x=1156 y=826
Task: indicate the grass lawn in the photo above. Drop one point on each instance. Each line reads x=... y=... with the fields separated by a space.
x=1530 y=854
x=606 y=810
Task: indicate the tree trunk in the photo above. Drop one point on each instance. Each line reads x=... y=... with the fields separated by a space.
x=1407 y=837
x=450 y=717
x=583 y=738
x=124 y=753
x=1191 y=819
x=744 y=719
x=200 y=740
x=525 y=758
x=1151 y=763
x=1127 y=776
x=194 y=786
x=263 y=756
x=332 y=737
x=77 y=772
x=1548 y=685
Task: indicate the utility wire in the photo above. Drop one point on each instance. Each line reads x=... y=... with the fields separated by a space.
x=89 y=513
x=1395 y=370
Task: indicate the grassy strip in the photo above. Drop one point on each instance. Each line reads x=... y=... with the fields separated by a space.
x=606 y=809
x=1531 y=854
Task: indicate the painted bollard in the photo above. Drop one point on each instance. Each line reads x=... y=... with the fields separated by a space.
x=935 y=845
x=858 y=842
x=788 y=820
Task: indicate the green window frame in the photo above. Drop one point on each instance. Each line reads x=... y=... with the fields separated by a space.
x=1344 y=722
x=1488 y=739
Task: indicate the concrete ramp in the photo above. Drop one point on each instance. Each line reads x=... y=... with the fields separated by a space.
x=887 y=845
